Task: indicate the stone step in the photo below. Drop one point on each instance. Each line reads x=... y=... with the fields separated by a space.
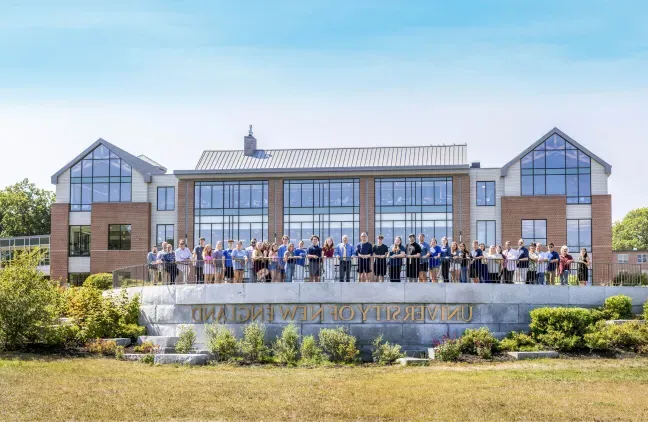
x=163 y=342
x=181 y=359
x=534 y=355
x=413 y=361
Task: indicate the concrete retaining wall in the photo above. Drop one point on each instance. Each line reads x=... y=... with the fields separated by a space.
x=435 y=310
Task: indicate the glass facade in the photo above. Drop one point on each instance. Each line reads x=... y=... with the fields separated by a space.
x=579 y=235
x=101 y=176
x=486 y=232
x=11 y=246
x=485 y=194
x=556 y=167
x=235 y=210
x=165 y=233
x=414 y=205
x=322 y=207
x=533 y=231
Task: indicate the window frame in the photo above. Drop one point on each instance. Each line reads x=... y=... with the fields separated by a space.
x=121 y=240
x=580 y=245
x=622 y=261
x=165 y=190
x=486 y=184
x=534 y=238
x=166 y=237
x=644 y=258
x=488 y=244
x=70 y=243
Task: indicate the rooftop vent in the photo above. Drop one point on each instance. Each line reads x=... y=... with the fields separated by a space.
x=249 y=143
x=475 y=165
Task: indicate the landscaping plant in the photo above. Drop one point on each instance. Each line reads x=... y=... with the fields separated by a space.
x=186 y=339
x=385 y=353
x=310 y=351
x=286 y=347
x=478 y=342
x=101 y=281
x=618 y=307
x=220 y=341
x=338 y=344
x=561 y=328
x=630 y=336
x=518 y=342
x=448 y=350
x=252 y=345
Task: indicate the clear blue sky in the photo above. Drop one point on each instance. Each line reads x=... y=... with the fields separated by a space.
x=170 y=79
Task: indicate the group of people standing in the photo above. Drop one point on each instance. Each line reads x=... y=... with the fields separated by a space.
x=421 y=261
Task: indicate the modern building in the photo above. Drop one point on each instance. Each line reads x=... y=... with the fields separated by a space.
x=111 y=206
x=11 y=246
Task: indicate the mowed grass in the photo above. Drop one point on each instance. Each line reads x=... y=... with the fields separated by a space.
x=37 y=388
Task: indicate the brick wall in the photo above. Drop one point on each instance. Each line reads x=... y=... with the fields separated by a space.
x=367 y=207
x=59 y=242
x=550 y=208
x=461 y=208
x=632 y=257
x=185 y=206
x=138 y=215
x=602 y=228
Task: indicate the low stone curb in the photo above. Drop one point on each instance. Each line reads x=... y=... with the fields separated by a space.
x=534 y=355
x=181 y=359
x=413 y=361
x=133 y=357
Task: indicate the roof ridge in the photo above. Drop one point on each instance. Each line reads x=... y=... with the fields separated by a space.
x=339 y=148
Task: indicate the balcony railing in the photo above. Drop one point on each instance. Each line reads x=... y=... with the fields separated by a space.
x=378 y=269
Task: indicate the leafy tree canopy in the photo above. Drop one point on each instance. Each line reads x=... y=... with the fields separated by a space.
x=631 y=232
x=25 y=210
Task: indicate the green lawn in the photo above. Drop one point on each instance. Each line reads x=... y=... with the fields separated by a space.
x=37 y=388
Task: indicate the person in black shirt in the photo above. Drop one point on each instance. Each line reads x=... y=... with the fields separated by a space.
x=396 y=255
x=314 y=254
x=198 y=260
x=380 y=252
x=475 y=266
x=413 y=252
x=363 y=251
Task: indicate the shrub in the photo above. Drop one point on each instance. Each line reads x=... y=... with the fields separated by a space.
x=147 y=347
x=561 y=328
x=29 y=304
x=618 y=307
x=186 y=339
x=310 y=351
x=518 y=342
x=101 y=281
x=338 y=344
x=645 y=311
x=220 y=341
x=626 y=278
x=286 y=348
x=252 y=344
x=386 y=353
x=119 y=352
x=102 y=347
x=148 y=359
x=448 y=350
x=631 y=336
x=478 y=342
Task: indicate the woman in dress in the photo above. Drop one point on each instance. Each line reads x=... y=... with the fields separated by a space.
x=380 y=253
x=396 y=255
x=328 y=250
x=457 y=258
x=208 y=263
x=583 y=267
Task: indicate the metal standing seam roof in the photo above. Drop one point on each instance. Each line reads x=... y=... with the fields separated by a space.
x=308 y=159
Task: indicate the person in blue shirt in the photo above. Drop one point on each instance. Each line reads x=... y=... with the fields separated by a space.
x=227 y=261
x=396 y=255
x=425 y=254
x=344 y=252
x=523 y=262
x=314 y=254
x=445 y=259
x=281 y=252
x=552 y=266
x=363 y=251
x=475 y=266
x=239 y=258
x=435 y=259
x=300 y=262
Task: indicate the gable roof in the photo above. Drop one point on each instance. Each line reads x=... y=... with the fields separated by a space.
x=145 y=168
x=327 y=159
x=556 y=131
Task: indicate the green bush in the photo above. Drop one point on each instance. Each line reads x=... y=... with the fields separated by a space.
x=338 y=344
x=478 y=342
x=101 y=281
x=385 y=353
x=119 y=352
x=29 y=304
x=186 y=339
x=645 y=311
x=632 y=336
x=252 y=344
x=626 y=278
x=618 y=307
x=220 y=341
x=310 y=351
x=148 y=359
x=561 y=328
x=518 y=342
x=286 y=348
x=448 y=351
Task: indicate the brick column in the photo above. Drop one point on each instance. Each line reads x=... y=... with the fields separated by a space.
x=185 y=226
x=275 y=209
x=59 y=242
x=461 y=208
x=368 y=207
x=602 y=238
x=550 y=208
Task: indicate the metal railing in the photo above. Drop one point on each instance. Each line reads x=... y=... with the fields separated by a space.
x=380 y=269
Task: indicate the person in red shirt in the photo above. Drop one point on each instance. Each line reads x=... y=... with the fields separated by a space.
x=563 y=265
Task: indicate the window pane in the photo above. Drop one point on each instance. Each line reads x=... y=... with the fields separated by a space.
x=205 y=196
x=539 y=159
x=555 y=184
x=572 y=233
x=539 y=184
x=386 y=194
x=100 y=193
x=217 y=196
x=100 y=168
x=584 y=184
x=76 y=170
x=161 y=197
x=527 y=185
x=101 y=152
x=527 y=161
x=75 y=193
x=347 y=195
x=527 y=229
x=125 y=168
x=572 y=185
x=244 y=196
x=399 y=193
x=307 y=195
x=427 y=192
x=86 y=193
x=556 y=159
x=490 y=193
x=170 y=199
x=114 y=192
x=87 y=168
x=585 y=234
x=481 y=193
x=125 y=192
x=540 y=229
x=583 y=159
x=256 y=193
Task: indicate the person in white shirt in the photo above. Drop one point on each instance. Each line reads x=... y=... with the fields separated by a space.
x=510 y=256
x=543 y=258
x=250 y=251
x=183 y=260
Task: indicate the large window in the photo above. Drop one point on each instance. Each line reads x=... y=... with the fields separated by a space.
x=322 y=207
x=556 y=167
x=486 y=232
x=642 y=258
x=165 y=233
x=101 y=176
x=166 y=198
x=485 y=194
x=579 y=235
x=622 y=258
x=534 y=231
x=414 y=205
x=235 y=210
x=119 y=237
x=79 y=241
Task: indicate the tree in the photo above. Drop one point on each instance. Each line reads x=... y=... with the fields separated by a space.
x=25 y=210
x=631 y=232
